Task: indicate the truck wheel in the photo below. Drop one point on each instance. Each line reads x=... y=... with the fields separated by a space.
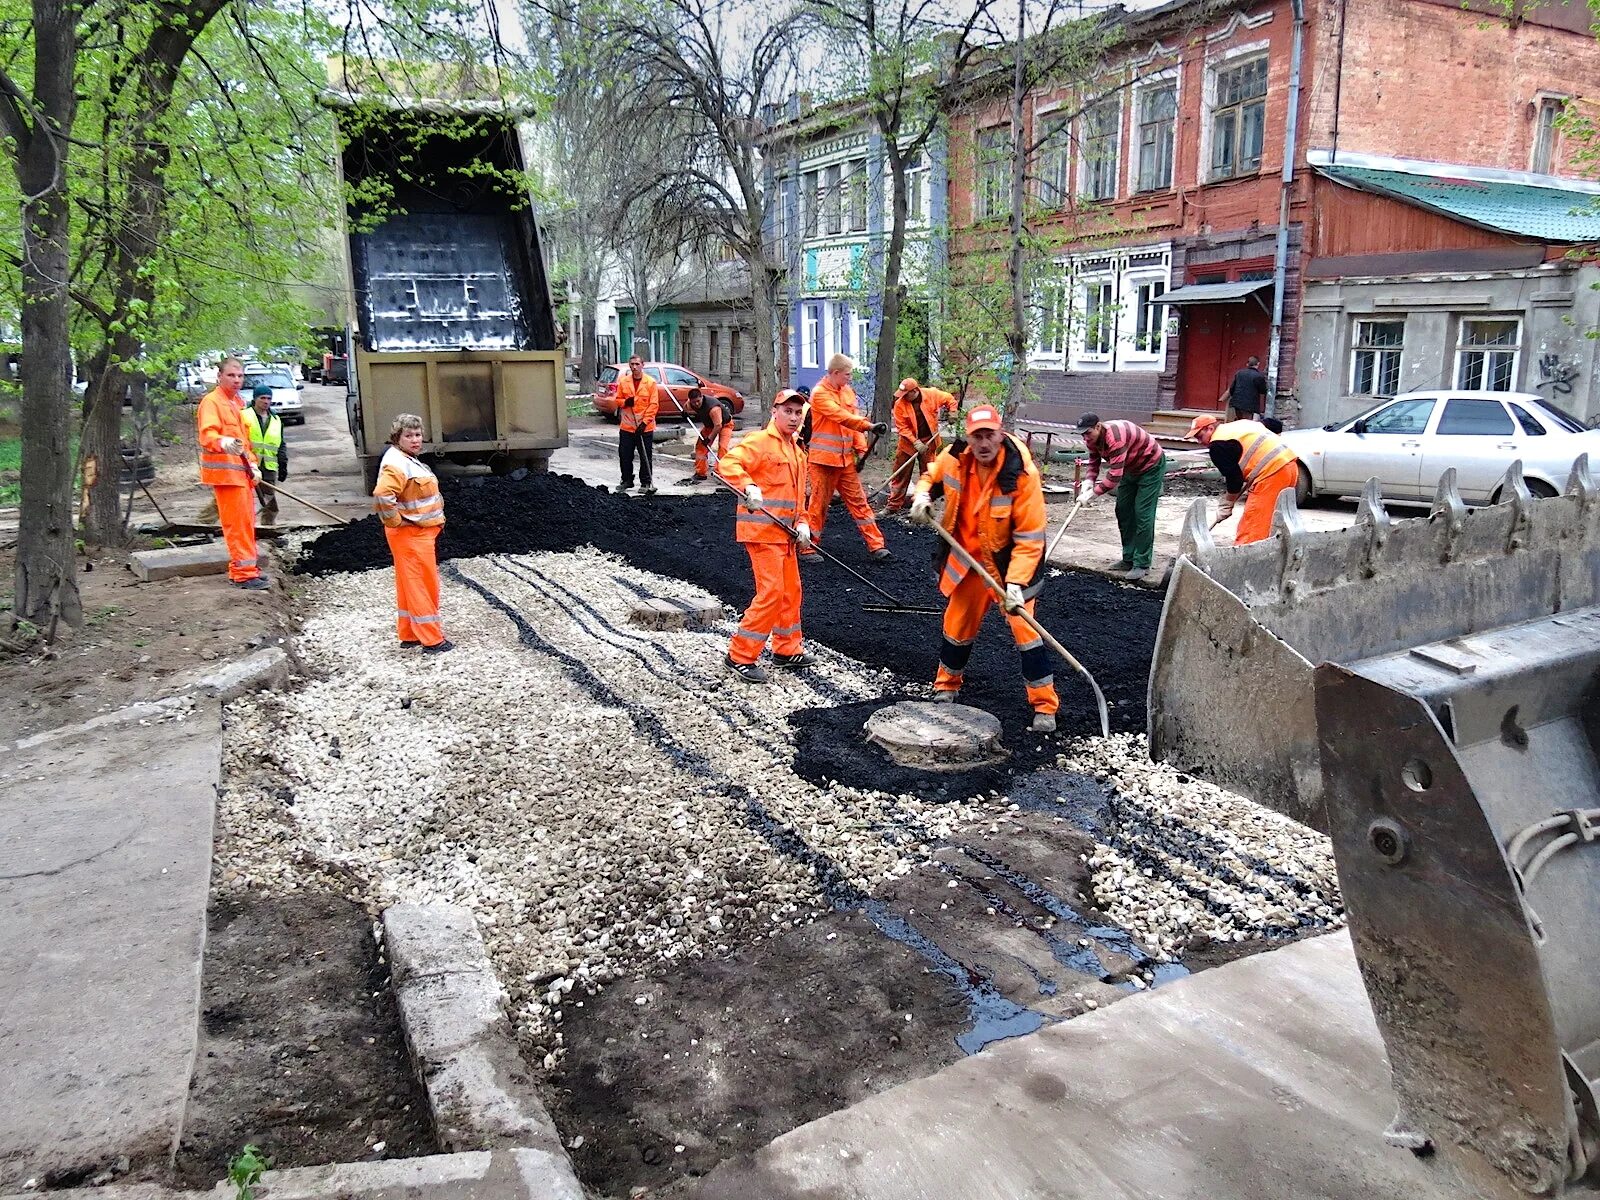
x=538 y=464
x=501 y=465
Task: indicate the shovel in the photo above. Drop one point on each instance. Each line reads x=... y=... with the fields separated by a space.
x=1056 y=541
x=272 y=487
x=973 y=564
x=895 y=605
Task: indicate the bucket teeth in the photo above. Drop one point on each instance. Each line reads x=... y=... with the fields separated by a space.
x=1581 y=482
x=1370 y=511
x=1514 y=491
x=1451 y=511
x=1194 y=539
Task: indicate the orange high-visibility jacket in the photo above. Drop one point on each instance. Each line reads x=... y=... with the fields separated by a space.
x=998 y=515
x=774 y=462
x=407 y=492
x=932 y=403
x=1261 y=452
x=222 y=416
x=646 y=398
x=833 y=421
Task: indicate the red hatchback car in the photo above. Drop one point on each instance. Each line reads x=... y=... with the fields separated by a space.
x=675 y=383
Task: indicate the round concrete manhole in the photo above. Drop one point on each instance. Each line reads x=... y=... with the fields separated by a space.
x=936 y=737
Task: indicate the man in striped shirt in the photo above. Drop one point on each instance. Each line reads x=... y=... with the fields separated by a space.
x=1136 y=469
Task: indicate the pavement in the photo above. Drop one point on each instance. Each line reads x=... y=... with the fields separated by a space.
x=105 y=862
x=1262 y=1078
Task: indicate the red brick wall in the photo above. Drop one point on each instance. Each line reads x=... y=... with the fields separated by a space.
x=1431 y=81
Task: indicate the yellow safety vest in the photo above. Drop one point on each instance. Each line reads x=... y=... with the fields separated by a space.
x=1261 y=452
x=265 y=442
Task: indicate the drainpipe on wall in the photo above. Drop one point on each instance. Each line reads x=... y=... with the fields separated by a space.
x=1280 y=258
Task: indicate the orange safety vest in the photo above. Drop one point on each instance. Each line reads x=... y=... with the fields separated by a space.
x=774 y=462
x=834 y=421
x=407 y=492
x=932 y=403
x=222 y=416
x=997 y=515
x=1261 y=452
x=646 y=400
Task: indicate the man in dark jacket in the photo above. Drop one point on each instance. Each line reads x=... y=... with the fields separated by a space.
x=1246 y=396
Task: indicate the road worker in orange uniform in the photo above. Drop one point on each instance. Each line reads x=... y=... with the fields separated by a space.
x=916 y=423
x=713 y=418
x=994 y=507
x=638 y=398
x=228 y=467
x=412 y=512
x=1255 y=463
x=770 y=469
x=835 y=422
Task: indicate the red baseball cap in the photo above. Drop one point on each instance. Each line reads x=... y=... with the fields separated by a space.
x=985 y=416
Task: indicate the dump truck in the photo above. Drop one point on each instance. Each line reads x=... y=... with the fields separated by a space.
x=1427 y=692
x=452 y=313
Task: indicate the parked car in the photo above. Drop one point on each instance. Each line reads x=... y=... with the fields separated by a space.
x=1409 y=442
x=285 y=391
x=675 y=383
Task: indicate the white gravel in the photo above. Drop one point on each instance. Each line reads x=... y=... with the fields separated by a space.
x=586 y=796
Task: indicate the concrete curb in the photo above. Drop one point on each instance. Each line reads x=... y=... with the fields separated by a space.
x=452 y=1009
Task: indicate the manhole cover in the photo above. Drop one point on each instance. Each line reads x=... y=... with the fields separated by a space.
x=936 y=737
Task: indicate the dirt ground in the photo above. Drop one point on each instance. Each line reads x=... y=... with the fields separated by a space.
x=301 y=1051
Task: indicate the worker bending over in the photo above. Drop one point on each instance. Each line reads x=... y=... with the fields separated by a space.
x=637 y=402
x=916 y=424
x=994 y=507
x=1255 y=463
x=832 y=457
x=1136 y=470
x=228 y=468
x=770 y=469
x=713 y=418
x=412 y=512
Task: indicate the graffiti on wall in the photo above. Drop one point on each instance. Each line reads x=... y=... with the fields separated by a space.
x=1556 y=375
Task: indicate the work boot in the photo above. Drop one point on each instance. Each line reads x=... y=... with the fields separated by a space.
x=647 y=490
x=624 y=488
x=794 y=662
x=1043 y=722
x=407 y=644
x=808 y=557
x=749 y=672
x=443 y=647
x=258 y=584
x=691 y=480
x=1123 y=565
x=881 y=554
x=1136 y=574
x=943 y=697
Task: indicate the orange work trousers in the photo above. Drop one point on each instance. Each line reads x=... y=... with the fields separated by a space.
x=416 y=582
x=901 y=478
x=236 y=509
x=775 y=612
x=847 y=482
x=1255 y=523
x=963 y=617
x=702 y=455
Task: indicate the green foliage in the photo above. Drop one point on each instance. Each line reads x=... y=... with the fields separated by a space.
x=10 y=469
x=245 y=1171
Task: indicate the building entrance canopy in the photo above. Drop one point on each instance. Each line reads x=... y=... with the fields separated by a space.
x=1216 y=293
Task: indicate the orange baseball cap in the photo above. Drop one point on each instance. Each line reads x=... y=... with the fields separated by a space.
x=787 y=396
x=1199 y=423
x=985 y=416
x=909 y=385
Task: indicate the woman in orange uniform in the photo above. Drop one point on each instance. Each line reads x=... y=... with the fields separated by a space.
x=770 y=469
x=412 y=512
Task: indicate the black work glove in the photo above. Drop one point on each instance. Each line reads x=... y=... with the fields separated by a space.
x=628 y=403
x=880 y=428
x=283 y=472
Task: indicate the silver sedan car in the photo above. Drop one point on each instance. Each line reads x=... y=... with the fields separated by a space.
x=1407 y=443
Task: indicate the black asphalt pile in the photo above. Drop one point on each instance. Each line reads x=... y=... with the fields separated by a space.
x=1110 y=626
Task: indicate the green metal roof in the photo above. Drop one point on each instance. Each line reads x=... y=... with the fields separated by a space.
x=1541 y=213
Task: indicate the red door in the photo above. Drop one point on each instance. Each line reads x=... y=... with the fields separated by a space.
x=1216 y=341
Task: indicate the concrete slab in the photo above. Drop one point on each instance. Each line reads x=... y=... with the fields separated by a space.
x=257 y=671
x=105 y=859
x=452 y=1007
x=175 y=561
x=918 y=733
x=1262 y=1079
x=663 y=613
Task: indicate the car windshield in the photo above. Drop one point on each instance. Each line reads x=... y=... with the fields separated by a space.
x=607 y=375
x=272 y=379
x=1560 y=417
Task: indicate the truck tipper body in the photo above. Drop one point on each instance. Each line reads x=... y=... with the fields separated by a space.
x=453 y=316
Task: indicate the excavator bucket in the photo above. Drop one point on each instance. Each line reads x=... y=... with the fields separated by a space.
x=1427 y=691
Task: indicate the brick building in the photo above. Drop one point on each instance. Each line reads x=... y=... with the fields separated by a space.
x=1166 y=195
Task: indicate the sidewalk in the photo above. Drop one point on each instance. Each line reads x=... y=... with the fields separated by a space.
x=105 y=862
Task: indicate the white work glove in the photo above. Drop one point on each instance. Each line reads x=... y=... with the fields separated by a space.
x=1225 y=507
x=922 y=508
x=753 y=497
x=1086 y=492
x=802 y=535
x=230 y=445
x=1014 y=600
x=922 y=447
x=255 y=473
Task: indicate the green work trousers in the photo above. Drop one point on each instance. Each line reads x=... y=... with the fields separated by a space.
x=1137 y=497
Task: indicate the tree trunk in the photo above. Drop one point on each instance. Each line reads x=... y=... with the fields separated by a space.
x=883 y=374
x=1017 y=338
x=589 y=309
x=762 y=312
x=46 y=573
x=102 y=444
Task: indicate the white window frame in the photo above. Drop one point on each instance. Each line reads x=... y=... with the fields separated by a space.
x=1226 y=62
x=917 y=177
x=1490 y=352
x=860 y=331
x=1053 y=174
x=810 y=204
x=1129 y=353
x=838 y=314
x=857 y=186
x=1051 y=318
x=1101 y=355
x=1113 y=169
x=992 y=176
x=1360 y=346
x=1167 y=79
x=810 y=330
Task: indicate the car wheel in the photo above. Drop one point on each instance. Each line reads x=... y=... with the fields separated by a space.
x=1304 y=492
x=1537 y=488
